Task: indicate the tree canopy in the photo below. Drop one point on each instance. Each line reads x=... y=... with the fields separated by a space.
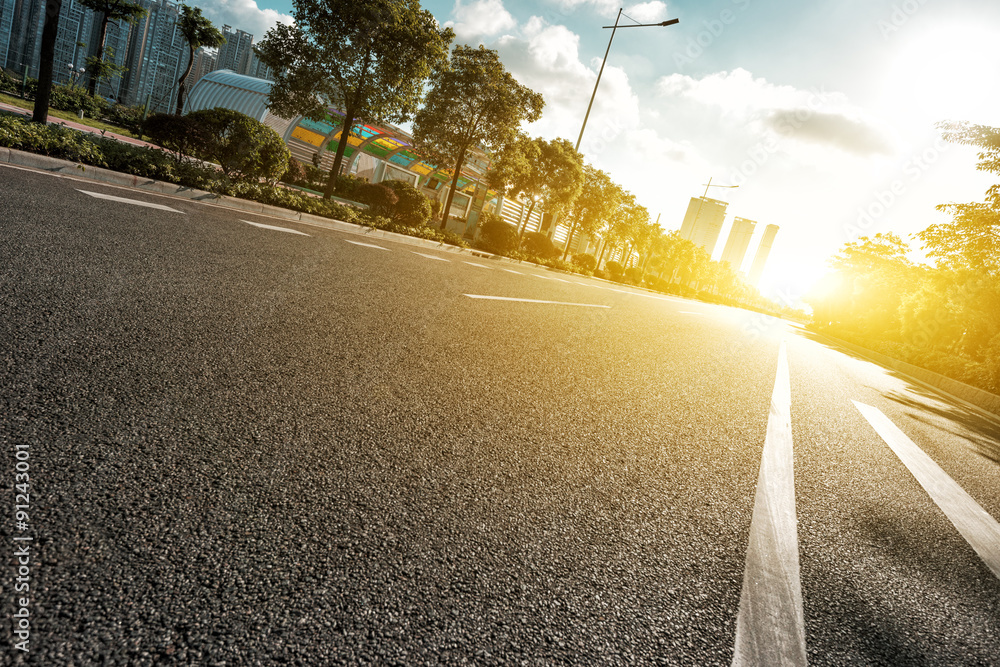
x=369 y=59
x=197 y=31
x=473 y=102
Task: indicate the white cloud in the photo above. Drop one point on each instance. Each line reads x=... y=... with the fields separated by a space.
x=480 y=18
x=243 y=15
x=647 y=12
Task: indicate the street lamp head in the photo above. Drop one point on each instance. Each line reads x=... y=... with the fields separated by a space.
x=670 y=22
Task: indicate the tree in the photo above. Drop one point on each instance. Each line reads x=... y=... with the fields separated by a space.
x=46 y=59
x=369 y=59
x=110 y=11
x=473 y=102
x=597 y=194
x=197 y=31
x=553 y=177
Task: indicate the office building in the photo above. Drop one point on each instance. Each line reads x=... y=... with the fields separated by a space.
x=738 y=242
x=235 y=53
x=158 y=55
x=703 y=222
x=763 y=250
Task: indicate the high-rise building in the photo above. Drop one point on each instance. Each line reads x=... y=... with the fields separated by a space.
x=763 y=250
x=737 y=243
x=235 y=53
x=21 y=37
x=703 y=222
x=258 y=69
x=157 y=57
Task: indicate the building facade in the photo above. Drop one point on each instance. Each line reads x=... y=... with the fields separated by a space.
x=763 y=250
x=737 y=243
x=703 y=222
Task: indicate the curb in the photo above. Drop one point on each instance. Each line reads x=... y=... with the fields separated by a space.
x=972 y=397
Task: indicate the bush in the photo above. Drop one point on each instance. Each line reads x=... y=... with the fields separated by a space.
x=412 y=208
x=539 y=245
x=585 y=261
x=245 y=148
x=496 y=235
x=295 y=173
x=51 y=140
x=347 y=185
x=634 y=275
x=381 y=199
x=614 y=270
x=127 y=117
x=66 y=98
x=175 y=133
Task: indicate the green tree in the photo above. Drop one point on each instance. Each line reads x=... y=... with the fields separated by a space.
x=553 y=177
x=369 y=59
x=110 y=11
x=598 y=194
x=472 y=102
x=197 y=31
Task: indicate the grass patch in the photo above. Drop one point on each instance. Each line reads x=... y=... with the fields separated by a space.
x=29 y=105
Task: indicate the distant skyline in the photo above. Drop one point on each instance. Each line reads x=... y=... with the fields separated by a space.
x=822 y=112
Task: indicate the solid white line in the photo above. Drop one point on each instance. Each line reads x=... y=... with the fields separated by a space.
x=975 y=524
x=770 y=626
x=440 y=259
x=561 y=303
x=367 y=245
x=277 y=229
x=474 y=264
x=100 y=195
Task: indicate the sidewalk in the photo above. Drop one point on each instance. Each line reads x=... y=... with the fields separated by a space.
x=77 y=126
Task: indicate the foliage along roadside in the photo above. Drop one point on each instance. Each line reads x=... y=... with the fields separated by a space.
x=69 y=144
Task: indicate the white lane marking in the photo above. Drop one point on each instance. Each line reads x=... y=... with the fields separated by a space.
x=474 y=264
x=979 y=529
x=440 y=259
x=770 y=626
x=277 y=229
x=513 y=271
x=689 y=312
x=123 y=200
x=561 y=280
x=542 y=277
x=561 y=303
x=367 y=245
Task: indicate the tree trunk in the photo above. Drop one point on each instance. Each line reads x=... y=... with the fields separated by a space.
x=338 y=158
x=46 y=58
x=527 y=219
x=92 y=83
x=451 y=190
x=181 y=81
x=569 y=240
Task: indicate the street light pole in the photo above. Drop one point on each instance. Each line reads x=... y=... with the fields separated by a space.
x=603 y=62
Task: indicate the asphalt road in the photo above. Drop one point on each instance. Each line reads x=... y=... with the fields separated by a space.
x=250 y=446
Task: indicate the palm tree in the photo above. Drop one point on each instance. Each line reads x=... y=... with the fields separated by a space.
x=110 y=10
x=198 y=31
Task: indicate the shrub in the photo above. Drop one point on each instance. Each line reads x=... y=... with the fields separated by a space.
x=633 y=275
x=412 y=208
x=51 y=140
x=496 y=235
x=381 y=199
x=295 y=173
x=245 y=148
x=614 y=270
x=347 y=185
x=585 y=261
x=539 y=245
x=175 y=133
x=67 y=98
x=127 y=117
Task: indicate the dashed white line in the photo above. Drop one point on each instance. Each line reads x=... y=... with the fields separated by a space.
x=513 y=271
x=277 y=229
x=975 y=524
x=440 y=259
x=136 y=202
x=689 y=312
x=770 y=625
x=477 y=265
x=367 y=245
x=560 y=303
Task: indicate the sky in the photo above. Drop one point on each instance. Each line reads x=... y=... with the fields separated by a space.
x=823 y=112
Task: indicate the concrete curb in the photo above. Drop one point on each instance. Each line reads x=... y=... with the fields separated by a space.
x=964 y=393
